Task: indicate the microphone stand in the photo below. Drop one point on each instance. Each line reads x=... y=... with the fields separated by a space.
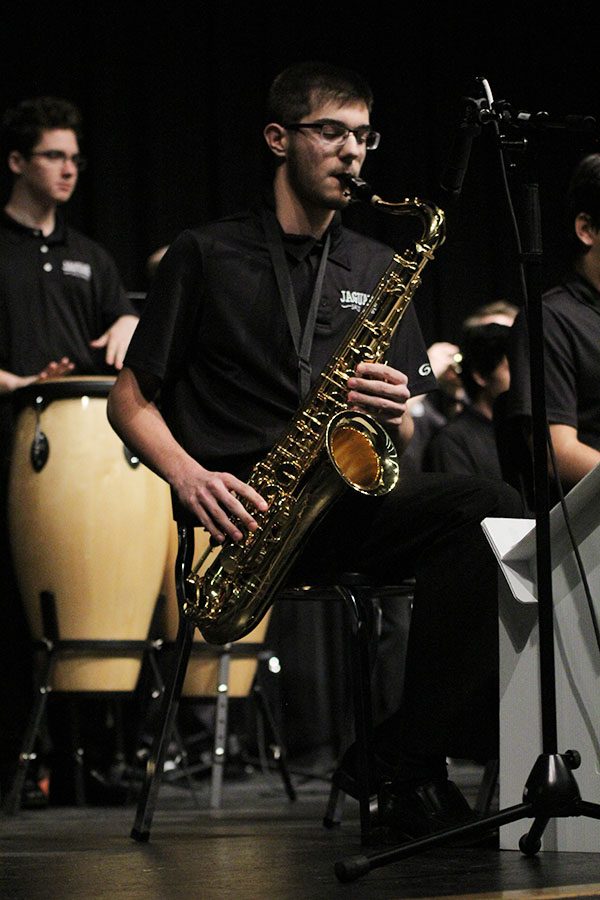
x=551 y=790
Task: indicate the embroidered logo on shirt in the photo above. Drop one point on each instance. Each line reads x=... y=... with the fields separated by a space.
x=77 y=269
x=425 y=369
x=354 y=299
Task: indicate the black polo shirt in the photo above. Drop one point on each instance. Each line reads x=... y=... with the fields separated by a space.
x=466 y=445
x=57 y=293
x=571 y=317
x=214 y=331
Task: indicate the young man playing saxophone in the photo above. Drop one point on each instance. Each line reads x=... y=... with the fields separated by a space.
x=212 y=379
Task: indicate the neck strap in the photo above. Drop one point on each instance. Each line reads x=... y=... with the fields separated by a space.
x=303 y=339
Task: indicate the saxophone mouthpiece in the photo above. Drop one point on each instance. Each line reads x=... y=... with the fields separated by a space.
x=357 y=189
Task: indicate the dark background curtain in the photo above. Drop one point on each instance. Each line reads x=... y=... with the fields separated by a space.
x=173 y=100
x=173 y=106
x=173 y=103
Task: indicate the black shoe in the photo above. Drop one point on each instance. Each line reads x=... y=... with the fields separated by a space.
x=346 y=776
x=417 y=811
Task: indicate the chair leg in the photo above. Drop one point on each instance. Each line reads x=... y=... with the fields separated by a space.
x=170 y=700
x=487 y=787
x=335 y=807
x=168 y=712
x=360 y=611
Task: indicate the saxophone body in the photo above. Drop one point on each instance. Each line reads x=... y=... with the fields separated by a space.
x=326 y=448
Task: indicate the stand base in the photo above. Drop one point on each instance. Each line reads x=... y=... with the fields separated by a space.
x=550 y=791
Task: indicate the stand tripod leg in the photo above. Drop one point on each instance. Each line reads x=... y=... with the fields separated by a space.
x=278 y=749
x=220 y=741
x=355 y=866
x=551 y=791
x=26 y=755
x=591 y=810
x=531 y=842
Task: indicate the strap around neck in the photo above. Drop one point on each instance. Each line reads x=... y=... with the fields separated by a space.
x=303 y=339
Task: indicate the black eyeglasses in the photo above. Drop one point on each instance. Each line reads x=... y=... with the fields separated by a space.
x=60 y=156
x=336 y=133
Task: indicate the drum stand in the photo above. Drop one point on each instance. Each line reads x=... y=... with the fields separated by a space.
x=550 y=790
x=55 y=648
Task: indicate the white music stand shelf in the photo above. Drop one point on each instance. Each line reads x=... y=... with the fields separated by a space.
x=577 y=659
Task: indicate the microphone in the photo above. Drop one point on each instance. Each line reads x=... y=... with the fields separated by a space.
x=456 y=166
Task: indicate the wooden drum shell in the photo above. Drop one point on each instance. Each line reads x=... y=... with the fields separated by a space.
x=88 y=527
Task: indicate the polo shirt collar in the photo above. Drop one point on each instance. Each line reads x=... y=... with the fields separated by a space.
x=582 y=290
x=58 y=236
x=300 y=245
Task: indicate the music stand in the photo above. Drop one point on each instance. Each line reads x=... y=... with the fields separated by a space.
x=551 y=790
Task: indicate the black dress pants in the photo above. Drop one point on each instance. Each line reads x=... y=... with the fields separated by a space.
x=430 y=527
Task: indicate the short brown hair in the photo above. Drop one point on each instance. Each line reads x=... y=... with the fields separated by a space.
x=297 y=90
x=23 y=125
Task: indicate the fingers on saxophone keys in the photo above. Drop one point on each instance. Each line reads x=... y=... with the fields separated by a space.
x=229 y=514
x=221 y=524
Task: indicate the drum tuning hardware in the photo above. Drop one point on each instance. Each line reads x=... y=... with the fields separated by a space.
x=131 y=458
x=40 y=448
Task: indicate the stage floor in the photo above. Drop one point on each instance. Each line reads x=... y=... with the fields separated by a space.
x=258 y=845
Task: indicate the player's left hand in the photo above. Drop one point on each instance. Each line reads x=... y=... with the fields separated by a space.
x=380 y=390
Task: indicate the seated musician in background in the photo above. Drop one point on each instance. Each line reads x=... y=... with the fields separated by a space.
x=63 y=310
x=467 y=443
x=212 y=378
x=434 y=410
x=571 y=319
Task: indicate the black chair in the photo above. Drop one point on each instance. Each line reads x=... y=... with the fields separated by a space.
x=362 y=599
x=359 y=598
x=215 y=675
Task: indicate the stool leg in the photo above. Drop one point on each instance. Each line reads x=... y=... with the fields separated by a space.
x=335 y=807
x=487 y=787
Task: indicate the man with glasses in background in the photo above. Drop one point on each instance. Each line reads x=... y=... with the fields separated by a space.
x=243 y=315
x=63 y=310
x=62 y=305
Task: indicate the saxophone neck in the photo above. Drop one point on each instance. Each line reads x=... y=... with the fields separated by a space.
x=431 y=216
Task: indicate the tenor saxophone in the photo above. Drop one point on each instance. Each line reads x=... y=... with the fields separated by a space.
x=327 y=447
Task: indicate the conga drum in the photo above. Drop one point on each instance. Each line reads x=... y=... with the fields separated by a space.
x=201 y=678
x=88 y=524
